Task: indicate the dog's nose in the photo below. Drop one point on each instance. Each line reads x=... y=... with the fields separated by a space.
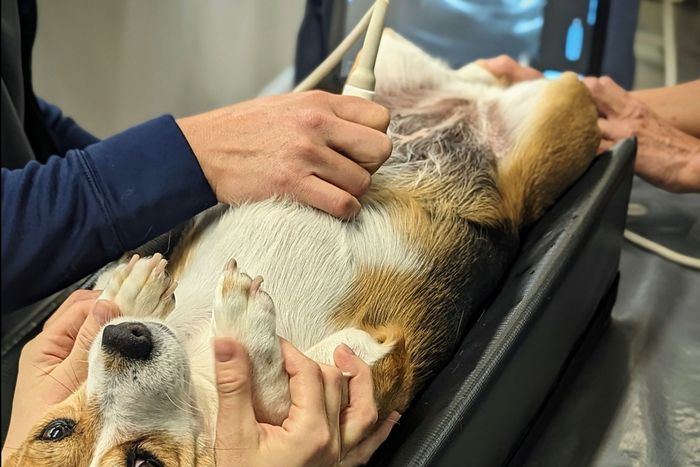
x=130 y=340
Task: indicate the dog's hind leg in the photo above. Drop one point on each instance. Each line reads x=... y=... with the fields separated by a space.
x=243 y=311
x=555 y=136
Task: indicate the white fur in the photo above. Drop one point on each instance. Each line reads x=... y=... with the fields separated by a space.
x=308 y=260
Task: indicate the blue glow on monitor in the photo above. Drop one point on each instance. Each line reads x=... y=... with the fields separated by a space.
x=574 y=40
x=551 y=74
x=554 y=74
x=592 y=12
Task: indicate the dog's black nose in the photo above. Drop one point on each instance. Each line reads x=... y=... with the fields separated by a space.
x=130 y=340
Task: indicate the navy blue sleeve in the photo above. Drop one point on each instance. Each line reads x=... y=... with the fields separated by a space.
x=64 y=219
x=68 y=134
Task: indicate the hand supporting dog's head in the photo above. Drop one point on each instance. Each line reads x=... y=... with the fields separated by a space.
x=136 y=409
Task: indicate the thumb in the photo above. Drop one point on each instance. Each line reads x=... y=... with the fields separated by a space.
x=101 y=313
x=236 y=426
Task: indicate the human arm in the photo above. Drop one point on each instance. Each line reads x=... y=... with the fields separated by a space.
x=64 y=219
x=54 y=364
x=678 y=105
x=68 y=217
x=318 y=431
x=666 y=156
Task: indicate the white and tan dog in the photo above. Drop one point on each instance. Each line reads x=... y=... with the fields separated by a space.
x=474 y=162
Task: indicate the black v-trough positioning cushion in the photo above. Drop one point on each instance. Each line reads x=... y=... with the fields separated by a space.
x=484 y=408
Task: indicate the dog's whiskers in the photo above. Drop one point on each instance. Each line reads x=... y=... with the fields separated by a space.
x=186 y=405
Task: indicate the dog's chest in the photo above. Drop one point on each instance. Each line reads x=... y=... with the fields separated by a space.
x=308 y=261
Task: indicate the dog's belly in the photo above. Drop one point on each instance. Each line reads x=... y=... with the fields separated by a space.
x=307 y=259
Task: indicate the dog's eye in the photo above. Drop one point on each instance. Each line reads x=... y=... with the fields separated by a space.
x=143 y=458
x=147 y=463
x=57 y=430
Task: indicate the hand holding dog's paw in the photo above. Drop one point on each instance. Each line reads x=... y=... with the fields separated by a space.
x=318 y=430
x=304 y=438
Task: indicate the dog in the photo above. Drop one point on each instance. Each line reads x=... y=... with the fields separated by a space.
x=475 y=161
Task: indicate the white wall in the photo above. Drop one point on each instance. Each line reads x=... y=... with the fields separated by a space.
x=114 y=63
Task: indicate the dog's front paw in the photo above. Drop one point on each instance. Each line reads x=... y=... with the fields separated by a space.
x=241 y=308
x=141 y=287
x=244 y=311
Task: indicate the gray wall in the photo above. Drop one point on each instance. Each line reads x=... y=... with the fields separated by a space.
x=114 y=63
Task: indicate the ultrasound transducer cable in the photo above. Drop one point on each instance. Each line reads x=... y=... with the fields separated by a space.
x=662 y=251
x=360 y=81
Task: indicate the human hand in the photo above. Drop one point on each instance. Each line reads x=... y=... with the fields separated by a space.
x=54 y=364
x=315 y=147
x=318 y=431
x=666 y=156
x=360 y=435
x=506 y=68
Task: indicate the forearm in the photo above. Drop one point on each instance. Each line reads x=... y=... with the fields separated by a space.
x=66 y=218
x=668 y=157
x=678 y=104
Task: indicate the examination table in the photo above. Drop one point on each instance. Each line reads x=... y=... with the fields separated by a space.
x=490 y=402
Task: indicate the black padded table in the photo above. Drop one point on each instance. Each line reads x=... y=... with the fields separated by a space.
x=488 y=404
x=491 y=401
x=636 y=400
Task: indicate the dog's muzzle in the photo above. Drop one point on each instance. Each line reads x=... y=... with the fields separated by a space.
x=129 y=340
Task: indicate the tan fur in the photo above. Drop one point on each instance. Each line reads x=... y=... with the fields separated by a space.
x=169 y=450
x=398 y=308
x=74 y=450
x=77 y=449
x=554 y=150
x=413 y=310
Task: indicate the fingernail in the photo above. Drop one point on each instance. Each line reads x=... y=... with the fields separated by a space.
x=102 y=312
x=345 y=348
x=223 y=351
x=394 y=417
